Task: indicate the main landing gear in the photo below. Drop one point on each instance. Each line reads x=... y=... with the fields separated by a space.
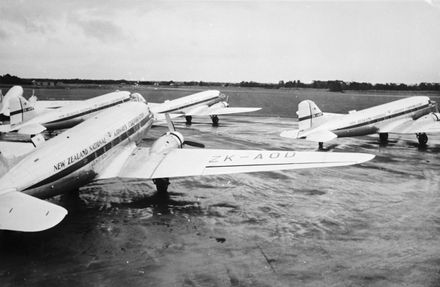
x=422 y=138
x=383 y=137
x=320 y=146
x=214 y=119
x=161 y=184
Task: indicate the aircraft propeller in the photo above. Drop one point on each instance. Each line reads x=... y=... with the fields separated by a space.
x=172 y=129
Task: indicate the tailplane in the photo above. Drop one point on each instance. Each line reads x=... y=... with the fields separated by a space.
x=309 y=115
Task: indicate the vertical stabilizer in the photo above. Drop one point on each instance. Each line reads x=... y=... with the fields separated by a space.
x=309 y=115
x=16 y=106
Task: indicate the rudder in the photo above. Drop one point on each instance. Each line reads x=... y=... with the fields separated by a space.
x=309 y=115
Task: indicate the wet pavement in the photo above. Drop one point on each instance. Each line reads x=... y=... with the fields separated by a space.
x=374 y=224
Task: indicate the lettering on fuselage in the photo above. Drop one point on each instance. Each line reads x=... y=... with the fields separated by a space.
x=260 y=156
x=79 y=155
x=98 y=144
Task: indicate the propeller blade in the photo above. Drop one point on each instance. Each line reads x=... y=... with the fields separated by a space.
x=170 y=123
x=194 y=144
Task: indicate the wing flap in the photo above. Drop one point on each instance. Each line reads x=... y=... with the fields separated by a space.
x=22 y=212
x=195 y=162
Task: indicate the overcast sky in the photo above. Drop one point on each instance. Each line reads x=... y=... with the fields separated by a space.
x=265 y=41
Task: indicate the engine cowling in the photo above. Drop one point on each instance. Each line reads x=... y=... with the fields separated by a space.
x=170 y=140
x=222 y=104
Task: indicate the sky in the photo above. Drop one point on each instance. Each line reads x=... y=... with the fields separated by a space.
x=222 y=41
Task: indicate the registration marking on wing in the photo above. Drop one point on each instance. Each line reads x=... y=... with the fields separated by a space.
x=257 y=157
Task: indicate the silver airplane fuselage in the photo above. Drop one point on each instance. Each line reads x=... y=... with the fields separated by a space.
x=77 y=155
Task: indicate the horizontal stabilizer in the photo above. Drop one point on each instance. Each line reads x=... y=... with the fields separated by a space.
x=291 y=134
x=31 y=129
x=217 y=161
x=321 y=136
x=22 y=212
x=223 y=111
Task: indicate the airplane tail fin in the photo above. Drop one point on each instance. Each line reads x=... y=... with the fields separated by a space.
x=16 y=106
x=309 y=115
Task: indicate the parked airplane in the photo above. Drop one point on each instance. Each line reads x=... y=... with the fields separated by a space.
x=32 y=117
x=207 y=103
x=414 y=115
x=104 y=146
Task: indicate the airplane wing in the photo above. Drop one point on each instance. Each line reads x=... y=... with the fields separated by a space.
x=429 y=123
x=395 y=126
x=196 y=162
x=153 y=105
x=43 y=105
x=159 y=119
x=22 y=212
x=221 y=111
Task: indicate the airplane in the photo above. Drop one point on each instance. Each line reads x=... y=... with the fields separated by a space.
x=105 y=146
x=414 y=115
x=207 y=103
x=32 y=117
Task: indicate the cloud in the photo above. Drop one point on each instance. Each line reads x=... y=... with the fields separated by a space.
x=102 y=30
x=3 y=34
x=433 y=3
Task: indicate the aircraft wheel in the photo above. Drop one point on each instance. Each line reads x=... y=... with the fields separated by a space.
x=423 y=139
x=188 y=120
x=383 y=137
x=214 y=121
x=161 y=184
x=321 y=146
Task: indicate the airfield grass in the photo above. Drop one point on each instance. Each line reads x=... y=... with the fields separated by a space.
x=274 y=102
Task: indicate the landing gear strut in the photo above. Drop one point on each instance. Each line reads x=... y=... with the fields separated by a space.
x=423 y=139
x=161 y=184
x=188 y=120
x=383 y=137
x=214 y=121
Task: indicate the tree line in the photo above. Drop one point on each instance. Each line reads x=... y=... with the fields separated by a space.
x=334 y=86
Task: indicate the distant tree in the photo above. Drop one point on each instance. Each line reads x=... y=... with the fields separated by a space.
x=335 y=86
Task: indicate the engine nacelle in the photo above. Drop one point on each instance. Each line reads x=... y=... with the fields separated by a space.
x=137 y=98
x=171 y=140
x=432 y=108
x=222 y=104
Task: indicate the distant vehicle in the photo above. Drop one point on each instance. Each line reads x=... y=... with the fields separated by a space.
x=104 y=146
x=207 y=103
x=32 y=117
x=414 y=115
